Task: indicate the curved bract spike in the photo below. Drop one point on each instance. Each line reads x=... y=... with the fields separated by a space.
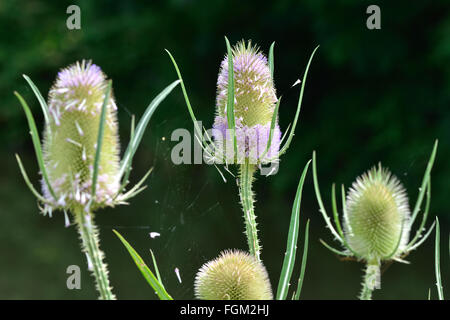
x=425 y=237
x=197 y=129
x=272 y=128
x=36 y=142
x=294 y=124
x=338 y=252
x=337 y=222
x=142 y=125
x=424 y=217
x=271 y=62
x=101 y=130
x=41 y=99
x=27 y=181
x=399 y=241
x=230 y=96
x=425 y=179
x=319 y=200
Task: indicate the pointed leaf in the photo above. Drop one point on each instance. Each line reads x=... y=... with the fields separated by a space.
x=291 y=134
x=36 y=142
x=139 y=131
x=303 y=267
x=291 y=247
x=41 y=99
x=146 y=272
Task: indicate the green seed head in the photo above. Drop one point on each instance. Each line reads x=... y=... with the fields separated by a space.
x=234 y=275
x=376 y=222
x=70 y=139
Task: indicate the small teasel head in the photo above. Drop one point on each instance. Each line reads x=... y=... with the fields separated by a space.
x=234 y=275
x=376 y=220
x=70 y=139
x=254 y=106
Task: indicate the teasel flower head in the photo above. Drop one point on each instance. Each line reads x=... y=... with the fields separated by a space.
x=376 y=221
x=254 y=106
x=234 y=275
x=79 y=159
x=71 y=137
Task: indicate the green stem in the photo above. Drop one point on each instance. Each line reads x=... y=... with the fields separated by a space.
x=371 y=280
x=90 y=245
x=245 y=191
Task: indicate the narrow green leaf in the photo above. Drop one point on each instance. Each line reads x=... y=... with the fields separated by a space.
x=146 y=272
x=41 y=99
x=125 y=164
x=291 y=246
x=437 y=261
x=230 y=96
x=425 y=179
x=155 y=265
x=294 y=124
x=271 y=62
x=303 y=266
x=101 y=129
x=36 y=142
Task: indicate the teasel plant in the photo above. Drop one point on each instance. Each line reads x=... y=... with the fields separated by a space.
x=377 y=221
x=79 y=155
x=245 y=130
x=238 y=275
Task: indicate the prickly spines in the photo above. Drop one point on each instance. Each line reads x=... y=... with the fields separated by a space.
x=234 y=275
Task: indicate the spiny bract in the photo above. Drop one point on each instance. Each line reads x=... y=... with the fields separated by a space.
x=376 y=221
x=254 y=104
x=70 y=140
x=234 y=275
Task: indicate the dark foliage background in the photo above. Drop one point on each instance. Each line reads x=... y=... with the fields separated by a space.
x=371 y=96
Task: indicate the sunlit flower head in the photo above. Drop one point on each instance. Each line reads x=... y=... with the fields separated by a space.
x=70 y=139
x=254 y=104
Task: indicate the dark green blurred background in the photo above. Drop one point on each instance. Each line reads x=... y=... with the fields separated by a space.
x=371 y=96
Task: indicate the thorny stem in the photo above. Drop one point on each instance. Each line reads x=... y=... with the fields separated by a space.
x=371 y=280
x=90 y=245
x=245 y=191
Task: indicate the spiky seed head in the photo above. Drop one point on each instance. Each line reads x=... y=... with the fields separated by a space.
x=234 y=275
x=254 y=105
x=70 y=139
x=376 y=221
